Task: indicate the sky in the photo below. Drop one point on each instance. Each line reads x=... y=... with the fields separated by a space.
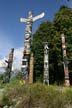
x=12 y=30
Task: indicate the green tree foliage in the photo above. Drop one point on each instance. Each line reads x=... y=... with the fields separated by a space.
x=50 y=32
x=63 y=24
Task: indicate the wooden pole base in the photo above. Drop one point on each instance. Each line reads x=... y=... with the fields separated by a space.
x=67 y=83
x=31 y=69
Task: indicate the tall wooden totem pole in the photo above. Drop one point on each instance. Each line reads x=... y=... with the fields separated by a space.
x=27 y=43
x=9 y=67
x=31 y=68
x=46 y=63
x=66 y=72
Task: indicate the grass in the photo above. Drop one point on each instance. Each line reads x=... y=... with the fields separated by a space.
x=36 y=96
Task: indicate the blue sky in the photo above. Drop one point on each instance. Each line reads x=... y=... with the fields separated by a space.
x=12 y=31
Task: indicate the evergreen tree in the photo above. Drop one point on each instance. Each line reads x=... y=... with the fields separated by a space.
x=50 y=32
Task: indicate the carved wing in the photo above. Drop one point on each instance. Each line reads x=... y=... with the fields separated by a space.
x=6 y=61
x=38 y=16
x=23 y=20
x=3 y=64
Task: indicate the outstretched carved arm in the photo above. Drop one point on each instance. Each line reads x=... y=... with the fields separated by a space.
x=23 y=20
x=38 y=16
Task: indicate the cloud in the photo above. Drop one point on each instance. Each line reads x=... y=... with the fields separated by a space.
x=17 y=60
x=5 y=47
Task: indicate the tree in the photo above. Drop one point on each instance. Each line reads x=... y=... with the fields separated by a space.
x=63 y=24
x=51 y=31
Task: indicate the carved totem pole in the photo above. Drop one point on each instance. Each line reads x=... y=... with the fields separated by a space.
x=31 y=68
x=9 y=66
x=46 y=63
x=66 y=72
x=27 y=43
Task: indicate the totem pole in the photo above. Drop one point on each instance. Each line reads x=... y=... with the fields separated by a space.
x=46 y=63
x=31 y=68
x=27 y=43
x=9 y=67
x=66 y=72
